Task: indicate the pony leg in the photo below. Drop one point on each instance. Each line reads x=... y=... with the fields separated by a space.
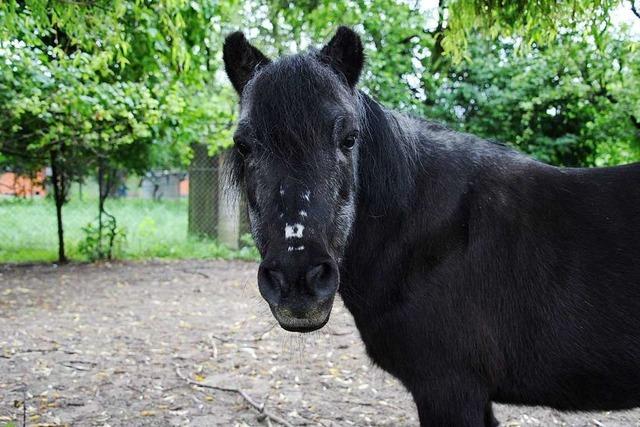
x=453 y=408
x=490 y=419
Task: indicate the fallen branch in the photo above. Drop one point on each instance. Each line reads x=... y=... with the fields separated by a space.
x=24 y=406
x=264 y=414
x=221 y=339
x=195 y=272
x=253 y=339
x=76 y=367
x=79 y=365
x=38 y=350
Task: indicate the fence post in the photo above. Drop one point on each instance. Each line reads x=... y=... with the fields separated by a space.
x=228 y=211
x=203 y=193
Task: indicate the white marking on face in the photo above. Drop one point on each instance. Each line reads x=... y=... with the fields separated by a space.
x=295 y=248
x=303 y=214
x=281 y=191
x=307 y=195
x=293 y=231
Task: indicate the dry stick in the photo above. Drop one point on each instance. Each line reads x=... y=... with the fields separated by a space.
x=259 y=407
x=195 y=272
x=215 y=348
x=254 y=339
x=24 y=406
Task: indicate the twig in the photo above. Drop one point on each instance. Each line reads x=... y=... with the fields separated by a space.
x=78 y=365
x=37 y=350
x=341 y=334
x=43 y=350
x=77 y=368
x=24 y=406
x=215 y=348
x=255 y=339
x=221 y=339
x=200 y=273
x=259 y=407
x=633 y=8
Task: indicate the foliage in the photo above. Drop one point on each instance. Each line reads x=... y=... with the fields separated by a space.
x=143 y=80
x=537 y=75
x=98 y=245
x=534 y=22
x=566 y=105
x=248 y=249
x=91 y=87
x=111 y=84
x=52 y=103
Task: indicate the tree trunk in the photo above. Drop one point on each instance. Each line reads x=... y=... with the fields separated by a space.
x=105 y=189
x=117 y=184
x=101 y=197
x=58 y=181
x=203 y=193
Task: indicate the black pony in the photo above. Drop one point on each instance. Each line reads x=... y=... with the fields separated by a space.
x=474 y=274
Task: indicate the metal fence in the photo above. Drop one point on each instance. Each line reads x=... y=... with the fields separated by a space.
x=164 y=213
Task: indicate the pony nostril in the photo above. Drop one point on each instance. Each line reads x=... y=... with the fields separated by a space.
x=277 y=278
x=322 y=279
x=271 y=284
x=318 y=272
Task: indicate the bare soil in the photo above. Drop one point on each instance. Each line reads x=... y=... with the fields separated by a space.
x=176 y=343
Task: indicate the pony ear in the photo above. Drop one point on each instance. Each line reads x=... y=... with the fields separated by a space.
x=345 y=54
x=241 y=60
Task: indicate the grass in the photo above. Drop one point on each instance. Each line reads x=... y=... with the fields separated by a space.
x=154 y=229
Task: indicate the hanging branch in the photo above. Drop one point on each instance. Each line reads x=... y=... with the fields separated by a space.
x=634 y=9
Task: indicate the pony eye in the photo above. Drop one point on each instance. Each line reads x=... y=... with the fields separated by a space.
x=349 y=141
x=244 y=149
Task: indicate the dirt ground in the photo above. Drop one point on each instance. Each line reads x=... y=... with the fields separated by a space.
x=176 y=343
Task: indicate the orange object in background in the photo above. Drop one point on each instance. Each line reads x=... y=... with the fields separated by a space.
x=183 y=188
x=12 y=184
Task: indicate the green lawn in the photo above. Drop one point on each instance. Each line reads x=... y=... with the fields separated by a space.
x=154 y=229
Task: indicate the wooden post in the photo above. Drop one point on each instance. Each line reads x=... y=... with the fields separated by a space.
x=228 y=211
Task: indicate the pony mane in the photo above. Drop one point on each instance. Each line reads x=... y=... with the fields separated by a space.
x=392 y=151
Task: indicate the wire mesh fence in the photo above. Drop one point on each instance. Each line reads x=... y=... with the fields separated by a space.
x=165 y=213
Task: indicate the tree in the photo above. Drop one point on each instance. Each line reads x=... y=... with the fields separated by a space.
x=534 y=22
x=530 y=74
x=98 y=87
x=91 y=87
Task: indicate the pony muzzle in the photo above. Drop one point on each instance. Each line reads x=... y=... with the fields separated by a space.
x=299 y=296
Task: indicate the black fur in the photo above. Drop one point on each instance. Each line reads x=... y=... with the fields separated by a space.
x=474 y=273
x=345 y=54
x=241 y=60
